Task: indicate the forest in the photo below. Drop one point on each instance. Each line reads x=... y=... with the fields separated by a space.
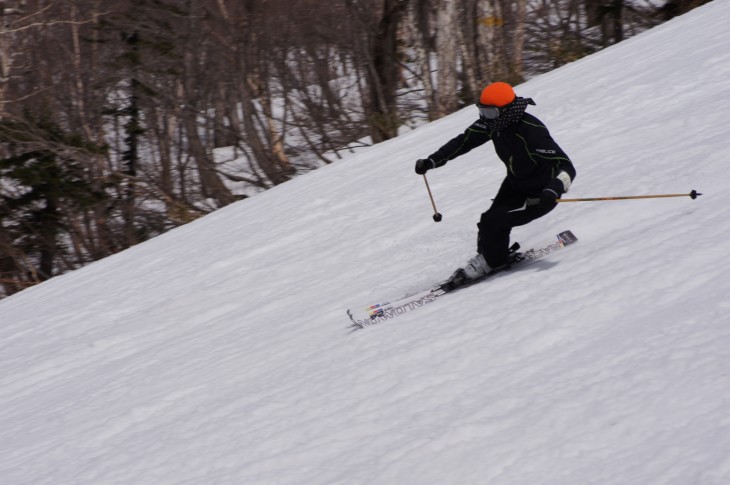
x=122 y=119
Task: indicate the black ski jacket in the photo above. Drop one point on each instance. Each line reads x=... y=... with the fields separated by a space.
x=532 y=157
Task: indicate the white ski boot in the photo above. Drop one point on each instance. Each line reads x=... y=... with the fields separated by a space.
x=476 y=267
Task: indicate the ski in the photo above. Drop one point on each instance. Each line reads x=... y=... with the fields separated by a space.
x=383 y=312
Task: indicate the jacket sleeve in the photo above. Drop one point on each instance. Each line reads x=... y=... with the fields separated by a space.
x=477 y=134
x=546 y=150
x=564 y=164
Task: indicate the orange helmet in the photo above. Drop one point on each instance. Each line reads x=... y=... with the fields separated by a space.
x=497 y=94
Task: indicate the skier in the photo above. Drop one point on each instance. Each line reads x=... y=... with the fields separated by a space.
x=538 y=173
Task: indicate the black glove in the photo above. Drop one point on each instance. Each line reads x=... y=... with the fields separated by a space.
x=424 y=165
x=553 y=191
x=549 y=197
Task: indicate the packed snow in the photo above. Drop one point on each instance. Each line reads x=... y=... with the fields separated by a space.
x=219 y=352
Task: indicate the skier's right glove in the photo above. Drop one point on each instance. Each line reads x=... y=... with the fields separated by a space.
x=424 y=165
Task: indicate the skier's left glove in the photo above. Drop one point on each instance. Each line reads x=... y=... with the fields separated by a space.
x=555 y=189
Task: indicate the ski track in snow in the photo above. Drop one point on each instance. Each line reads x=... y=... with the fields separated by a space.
x=218 y=352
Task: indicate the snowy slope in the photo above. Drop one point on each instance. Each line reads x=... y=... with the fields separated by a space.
x=217 y=353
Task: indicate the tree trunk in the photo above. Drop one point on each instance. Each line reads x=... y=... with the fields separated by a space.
x=448 y=53
x=383 y=69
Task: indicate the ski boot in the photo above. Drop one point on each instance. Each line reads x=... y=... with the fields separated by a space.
x=477 y=269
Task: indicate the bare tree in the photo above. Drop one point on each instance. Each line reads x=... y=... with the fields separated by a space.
x=377 y=49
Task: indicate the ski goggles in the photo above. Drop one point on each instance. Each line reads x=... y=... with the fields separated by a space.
x=488 y=112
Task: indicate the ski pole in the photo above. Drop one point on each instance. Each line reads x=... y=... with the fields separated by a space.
x=694 y=194
x=436 y=216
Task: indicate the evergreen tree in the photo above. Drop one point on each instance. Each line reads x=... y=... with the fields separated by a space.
x=45 y=184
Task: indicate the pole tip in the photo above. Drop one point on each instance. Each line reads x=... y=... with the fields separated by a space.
x=437 y=217
x=694 y=194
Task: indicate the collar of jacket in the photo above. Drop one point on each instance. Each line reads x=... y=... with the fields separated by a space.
x=511 y=115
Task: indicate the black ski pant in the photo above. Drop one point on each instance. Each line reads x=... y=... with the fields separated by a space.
x=508 y=210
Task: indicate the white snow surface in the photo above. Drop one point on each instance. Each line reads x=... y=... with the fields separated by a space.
x=218 y=353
